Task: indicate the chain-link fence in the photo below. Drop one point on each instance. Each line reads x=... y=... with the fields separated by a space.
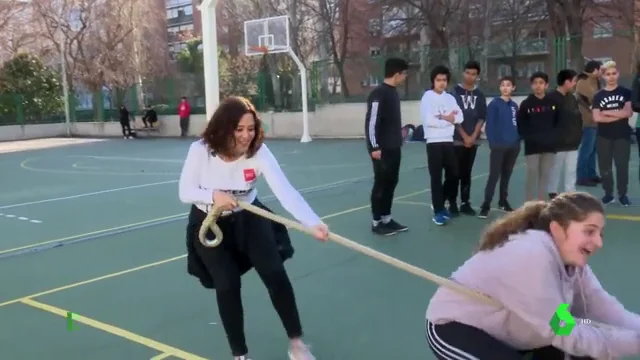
x=273 y=82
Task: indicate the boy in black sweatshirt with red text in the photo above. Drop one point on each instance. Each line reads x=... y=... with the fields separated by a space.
x=537 y=125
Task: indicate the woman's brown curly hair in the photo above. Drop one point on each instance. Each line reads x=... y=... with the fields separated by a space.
x=219 y=134
x=538 y=215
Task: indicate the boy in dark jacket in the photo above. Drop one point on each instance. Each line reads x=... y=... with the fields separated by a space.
x=570 y=127
x=537 y=121
x=504 y=142
x=465 y=140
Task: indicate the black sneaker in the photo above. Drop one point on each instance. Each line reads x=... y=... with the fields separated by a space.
x=382 y=229
x=453 y=209
x=467 y=209
x=552 y=196
x=484 y=211
x=395 y=226
x=505 y=206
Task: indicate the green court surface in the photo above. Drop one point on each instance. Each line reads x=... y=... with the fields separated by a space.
x=98 y=230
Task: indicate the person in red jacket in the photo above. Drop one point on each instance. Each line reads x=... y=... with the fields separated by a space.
x=184 y=110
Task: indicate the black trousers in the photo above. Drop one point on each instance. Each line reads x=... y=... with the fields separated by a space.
x=249 y=241
x=126 y=128
x=455 y=340
x=184 y=126
x=465 y=157
x=386 y=172
x=614 y=152
x=501 y=164
x=441 y=157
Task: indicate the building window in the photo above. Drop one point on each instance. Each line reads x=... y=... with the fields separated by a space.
x=178 y=12
x=475 y=10
x=374 y=27
x=533 y=67
x=176 y=3
x=603 y=30
x=374 y=51
x=504 y=70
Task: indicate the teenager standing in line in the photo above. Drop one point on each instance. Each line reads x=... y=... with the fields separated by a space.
x=383 y=133
x=504 y=142
x=586 y=88
x=635 y=104
x=570 y=127
x=465 y=140
x=537 y=119
x=612 y=110
x=439 y=112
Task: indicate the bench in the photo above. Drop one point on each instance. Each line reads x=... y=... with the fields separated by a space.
x=138 y=127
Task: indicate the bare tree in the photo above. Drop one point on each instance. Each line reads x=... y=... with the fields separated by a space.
x=104 y=43
x=332 y=30
x=626 y=15
x=516 y=25
x=432 y=19
x=19 y=30
x=568 y=18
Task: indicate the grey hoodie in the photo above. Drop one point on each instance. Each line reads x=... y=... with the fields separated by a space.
x=530 y=279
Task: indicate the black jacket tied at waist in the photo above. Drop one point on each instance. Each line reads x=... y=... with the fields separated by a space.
x=235 y=229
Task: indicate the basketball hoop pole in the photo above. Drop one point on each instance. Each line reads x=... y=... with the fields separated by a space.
x=305 y=113
x=210 y=56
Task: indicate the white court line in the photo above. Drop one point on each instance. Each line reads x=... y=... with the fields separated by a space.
x=123 y=158
x=88 y=194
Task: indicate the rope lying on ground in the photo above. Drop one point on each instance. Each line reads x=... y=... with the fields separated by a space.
x=210 y=224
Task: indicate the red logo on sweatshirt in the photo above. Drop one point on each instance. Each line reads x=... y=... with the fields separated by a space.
x=249 y=175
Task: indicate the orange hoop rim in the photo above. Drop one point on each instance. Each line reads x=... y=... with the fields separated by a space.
x=263 y=49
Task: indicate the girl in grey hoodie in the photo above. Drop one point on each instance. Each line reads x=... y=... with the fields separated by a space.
x=531 y=261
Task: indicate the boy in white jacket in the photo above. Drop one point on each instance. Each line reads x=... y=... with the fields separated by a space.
x=439 y=112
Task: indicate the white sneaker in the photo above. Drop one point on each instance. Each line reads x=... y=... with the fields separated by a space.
x=241 y=358
x=302 y=352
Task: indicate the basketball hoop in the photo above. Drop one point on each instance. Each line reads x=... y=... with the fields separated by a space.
x=263 y=49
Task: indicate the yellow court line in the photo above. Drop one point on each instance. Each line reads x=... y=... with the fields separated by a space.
x=160 y=357
x=165 y=261
x=623 y=217
x=164 y=348
x=85 y=282
x=608 y=216
x=97 y=232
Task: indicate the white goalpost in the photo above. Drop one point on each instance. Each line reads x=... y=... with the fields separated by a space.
x=261 y=36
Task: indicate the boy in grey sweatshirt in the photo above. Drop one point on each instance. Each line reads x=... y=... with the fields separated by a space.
x=531 y=264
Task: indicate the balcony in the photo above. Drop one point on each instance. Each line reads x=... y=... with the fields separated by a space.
x=524 y=48
x=179 y=20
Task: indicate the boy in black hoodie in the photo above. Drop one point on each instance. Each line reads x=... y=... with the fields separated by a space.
x=465 y=139
x=570 y=125
x=537 y=125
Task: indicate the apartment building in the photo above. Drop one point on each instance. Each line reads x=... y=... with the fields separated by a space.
x=395 y=30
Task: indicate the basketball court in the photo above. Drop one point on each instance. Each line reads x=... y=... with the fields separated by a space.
x=97 y=230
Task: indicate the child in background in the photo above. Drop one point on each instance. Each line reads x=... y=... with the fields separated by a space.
x=537 y=125
x=504 y=141
x=570 y=125
x=465 y=140
x=612 y=110
x=440 y=113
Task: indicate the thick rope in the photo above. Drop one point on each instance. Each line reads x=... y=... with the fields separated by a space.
x=210 y=223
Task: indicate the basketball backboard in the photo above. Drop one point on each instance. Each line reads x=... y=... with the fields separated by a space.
x=271 y=33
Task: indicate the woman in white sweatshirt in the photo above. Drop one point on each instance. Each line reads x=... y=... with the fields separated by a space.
x=532 y=261
x=440 y=113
